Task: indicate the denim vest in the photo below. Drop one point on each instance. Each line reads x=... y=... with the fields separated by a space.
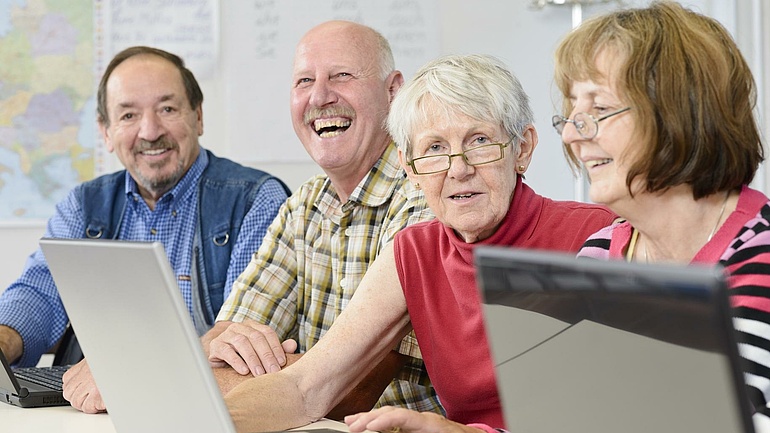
x=226 y=194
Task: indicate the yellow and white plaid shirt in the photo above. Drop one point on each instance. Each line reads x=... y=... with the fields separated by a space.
x=314 y=256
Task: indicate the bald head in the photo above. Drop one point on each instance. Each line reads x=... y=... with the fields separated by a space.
x=355 y=36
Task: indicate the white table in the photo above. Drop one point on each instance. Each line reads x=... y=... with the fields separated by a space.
x=62 y=419
x=65 y=419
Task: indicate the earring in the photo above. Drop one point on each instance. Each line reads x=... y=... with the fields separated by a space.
x=522 y=169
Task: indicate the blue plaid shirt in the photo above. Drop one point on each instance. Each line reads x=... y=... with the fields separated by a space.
x=31 y=305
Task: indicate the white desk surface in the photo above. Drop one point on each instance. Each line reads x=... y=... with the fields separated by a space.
x=65 y=419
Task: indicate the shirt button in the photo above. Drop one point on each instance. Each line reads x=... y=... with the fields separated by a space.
x=343 y=282
x=347 y=231
x=153 y=232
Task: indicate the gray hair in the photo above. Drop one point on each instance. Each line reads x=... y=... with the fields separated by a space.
x=477 y=86
x=386 y=62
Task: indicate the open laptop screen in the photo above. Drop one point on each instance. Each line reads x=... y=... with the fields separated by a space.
x=135 y=330
x=582 y=345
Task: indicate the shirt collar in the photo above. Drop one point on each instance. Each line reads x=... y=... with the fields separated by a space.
x=377 y=186
x=185 y=184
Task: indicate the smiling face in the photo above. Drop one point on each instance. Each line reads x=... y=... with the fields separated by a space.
x=608 y=156
x=339 y=100
x=473 y=200
x=152 y=128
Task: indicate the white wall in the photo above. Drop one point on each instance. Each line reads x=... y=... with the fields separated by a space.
x=18 y=243
x=521 y=35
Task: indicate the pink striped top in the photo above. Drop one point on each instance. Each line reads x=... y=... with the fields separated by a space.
x=742 y=246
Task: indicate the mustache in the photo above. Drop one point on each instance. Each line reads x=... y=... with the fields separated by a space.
x=336 y=111
x=161 y=143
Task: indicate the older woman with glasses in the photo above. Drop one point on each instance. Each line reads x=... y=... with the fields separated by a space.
x=674 y=153
x=464 y=131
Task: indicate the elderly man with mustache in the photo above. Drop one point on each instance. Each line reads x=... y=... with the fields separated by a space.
x=210 y=213
x=333 y=227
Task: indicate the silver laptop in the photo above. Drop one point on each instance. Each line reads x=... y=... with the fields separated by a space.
x=136 y=333
x=583 y=345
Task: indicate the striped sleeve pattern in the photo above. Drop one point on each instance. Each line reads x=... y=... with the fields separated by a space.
x=598 y=244
x=748 y=263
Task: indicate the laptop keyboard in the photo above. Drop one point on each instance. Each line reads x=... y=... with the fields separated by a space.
x=45 y=376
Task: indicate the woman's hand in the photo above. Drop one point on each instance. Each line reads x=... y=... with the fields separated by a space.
x=394 y=419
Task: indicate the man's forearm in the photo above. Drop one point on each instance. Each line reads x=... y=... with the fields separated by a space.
x=11 y=343
x=227 y=378
x=360 y=399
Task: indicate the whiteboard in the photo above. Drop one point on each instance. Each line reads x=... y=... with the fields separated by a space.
x=258 y=41
x=189 y=29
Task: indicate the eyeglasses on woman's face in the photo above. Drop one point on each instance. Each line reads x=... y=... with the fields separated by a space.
x=585 y=124
x=477 y=156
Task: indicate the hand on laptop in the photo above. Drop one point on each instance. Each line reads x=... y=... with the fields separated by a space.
x=80 y=389
x=248 y=347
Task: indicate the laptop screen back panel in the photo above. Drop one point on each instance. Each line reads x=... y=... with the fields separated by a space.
x=591 y=346
x=135 y=331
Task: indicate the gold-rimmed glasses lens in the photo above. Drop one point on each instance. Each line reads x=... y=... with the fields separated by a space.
x=585 y=124
x=477 y=156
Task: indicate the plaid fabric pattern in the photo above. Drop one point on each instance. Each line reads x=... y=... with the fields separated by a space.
x=315 y=255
